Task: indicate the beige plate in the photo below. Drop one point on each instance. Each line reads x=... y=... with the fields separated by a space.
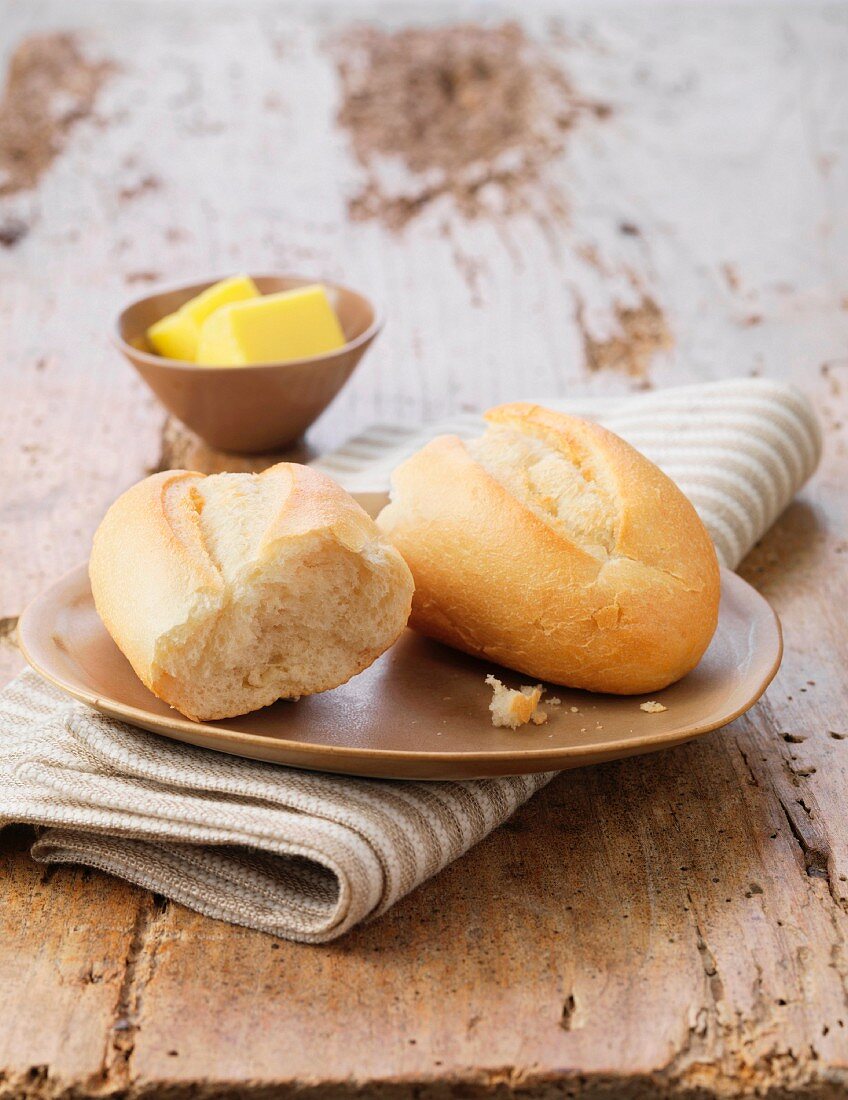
x=420 y=712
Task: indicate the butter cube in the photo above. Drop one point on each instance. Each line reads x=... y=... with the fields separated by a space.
x=294 y=324
x=176 y=336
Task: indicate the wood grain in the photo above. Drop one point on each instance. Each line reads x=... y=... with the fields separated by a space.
x=667 y=926
x=68 y=938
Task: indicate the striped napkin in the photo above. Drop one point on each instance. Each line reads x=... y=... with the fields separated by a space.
x=308 y=856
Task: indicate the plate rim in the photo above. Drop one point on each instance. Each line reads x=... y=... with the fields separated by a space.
x=169 y=725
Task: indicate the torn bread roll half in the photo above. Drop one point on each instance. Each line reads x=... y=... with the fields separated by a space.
x=228 y=592
x=553 y=547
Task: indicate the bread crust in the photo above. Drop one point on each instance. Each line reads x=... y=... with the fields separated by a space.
x=496 y=580
x=152 y=571
x=149 y=565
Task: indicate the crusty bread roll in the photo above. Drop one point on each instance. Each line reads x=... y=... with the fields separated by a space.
x=231 y=591
x=551 y=546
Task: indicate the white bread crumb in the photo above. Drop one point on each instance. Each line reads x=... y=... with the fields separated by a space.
x=553 y=701
x=511 y=709
x=652 y=707
x=574 y=710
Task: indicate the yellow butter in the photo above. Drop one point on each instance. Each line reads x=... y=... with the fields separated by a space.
x=176 y=336
x=294 y=324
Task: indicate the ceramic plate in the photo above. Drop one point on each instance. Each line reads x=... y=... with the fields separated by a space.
x=421 y=711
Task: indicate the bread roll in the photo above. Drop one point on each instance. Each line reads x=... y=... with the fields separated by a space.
x=228 y=592
x=551 y=546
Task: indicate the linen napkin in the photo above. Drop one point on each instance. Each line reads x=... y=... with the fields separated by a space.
x=307 y=856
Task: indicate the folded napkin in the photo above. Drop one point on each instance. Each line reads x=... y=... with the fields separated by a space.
x=307 y=856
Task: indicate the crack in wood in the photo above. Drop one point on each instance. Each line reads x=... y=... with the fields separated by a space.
x=811 y=840
x=705 y=1027
x=801 y=810
x=139 y=969
x=708 y=962
x=752 y=779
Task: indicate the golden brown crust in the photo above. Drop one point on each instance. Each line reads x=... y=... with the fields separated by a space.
x=496 y=580
x=316 y=503
x=148 y=562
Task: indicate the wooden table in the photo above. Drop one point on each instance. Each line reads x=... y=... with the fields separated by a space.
x=675 y=925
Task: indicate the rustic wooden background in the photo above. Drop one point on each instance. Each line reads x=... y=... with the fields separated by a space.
x=670 y=925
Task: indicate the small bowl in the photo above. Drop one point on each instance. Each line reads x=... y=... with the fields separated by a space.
x=265 y=406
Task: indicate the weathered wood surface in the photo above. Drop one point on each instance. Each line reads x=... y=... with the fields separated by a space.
x=671 y=925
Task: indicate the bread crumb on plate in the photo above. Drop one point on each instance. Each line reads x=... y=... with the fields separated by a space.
x=652 y=707
x=511 y=709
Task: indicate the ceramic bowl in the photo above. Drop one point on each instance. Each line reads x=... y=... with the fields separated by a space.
x=263 y=407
